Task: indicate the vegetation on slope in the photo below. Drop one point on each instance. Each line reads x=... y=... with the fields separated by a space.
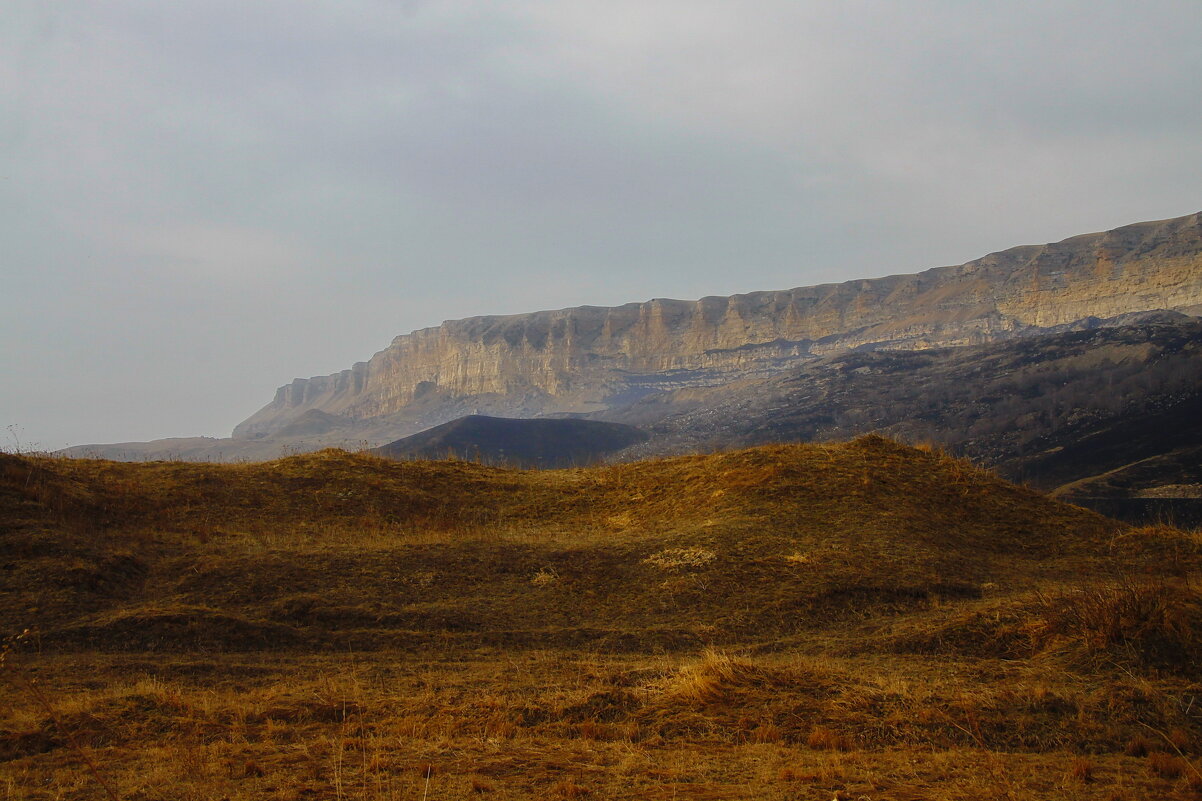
x=804 y=621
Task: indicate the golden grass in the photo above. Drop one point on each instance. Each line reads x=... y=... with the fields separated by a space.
x=858 y=620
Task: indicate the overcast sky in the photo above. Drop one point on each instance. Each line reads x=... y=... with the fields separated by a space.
x=201 y=200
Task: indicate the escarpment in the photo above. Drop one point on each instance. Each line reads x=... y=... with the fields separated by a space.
x=587 y=358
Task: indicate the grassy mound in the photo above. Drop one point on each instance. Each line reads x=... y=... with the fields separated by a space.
x=349 y=548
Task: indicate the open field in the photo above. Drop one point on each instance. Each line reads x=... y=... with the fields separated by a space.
x=863 y=620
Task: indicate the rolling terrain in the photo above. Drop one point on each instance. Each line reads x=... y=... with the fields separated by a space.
x=861 y=619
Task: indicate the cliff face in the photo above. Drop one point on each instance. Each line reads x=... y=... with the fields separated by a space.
x=584 y=358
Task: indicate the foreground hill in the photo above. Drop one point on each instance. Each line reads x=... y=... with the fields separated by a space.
x=807 y=621
x=121 y=555
x=546 y=442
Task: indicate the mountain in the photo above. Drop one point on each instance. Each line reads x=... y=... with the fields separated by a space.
x=545 y=442
x=588 y=358
x=1055 y=411
x=593 y=361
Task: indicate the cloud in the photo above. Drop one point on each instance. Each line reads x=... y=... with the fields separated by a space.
x=179 y=178
x=210 y=252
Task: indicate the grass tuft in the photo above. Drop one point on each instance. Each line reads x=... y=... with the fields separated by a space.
x=1081 y=769
x=1166 y=766
x=824 y=739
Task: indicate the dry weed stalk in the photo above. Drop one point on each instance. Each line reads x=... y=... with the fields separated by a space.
x=1183 y=760
x=25 y=684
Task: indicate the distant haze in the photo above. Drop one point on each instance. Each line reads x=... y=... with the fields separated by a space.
x=201 y=200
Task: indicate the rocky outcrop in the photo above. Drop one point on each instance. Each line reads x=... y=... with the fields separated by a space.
x=587 y=358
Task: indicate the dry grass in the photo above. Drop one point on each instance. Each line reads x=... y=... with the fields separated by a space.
x=377 y=727
x=1166 y=766
x=824 y=739
x=1149 y=623
x=751 y=624
x=1081 y=770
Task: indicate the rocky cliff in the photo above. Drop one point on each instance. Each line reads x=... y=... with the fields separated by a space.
x=584 y=359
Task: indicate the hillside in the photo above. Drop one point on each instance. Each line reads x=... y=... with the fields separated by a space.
x=802 y=621
x=915 y=522
x=1049 y=410
x=590 y=360
x=547 y=442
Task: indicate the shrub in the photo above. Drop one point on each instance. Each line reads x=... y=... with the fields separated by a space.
x=1150 y=624
x=544 y=576
x=1081 y=769
x=1166 y=766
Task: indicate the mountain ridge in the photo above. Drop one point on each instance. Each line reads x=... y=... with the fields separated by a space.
x=583 y=359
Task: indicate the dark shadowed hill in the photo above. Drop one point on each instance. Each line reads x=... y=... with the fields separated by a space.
x=520 y=443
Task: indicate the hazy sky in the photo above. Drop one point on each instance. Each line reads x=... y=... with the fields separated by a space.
x=201 y=200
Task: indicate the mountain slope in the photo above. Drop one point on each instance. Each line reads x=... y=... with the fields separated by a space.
x=1047 y=410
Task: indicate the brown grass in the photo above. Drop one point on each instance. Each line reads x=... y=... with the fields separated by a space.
x=1149 y=622
x=1166 y=766
x=1139 y=746
x=335 y=625
x=824 y=739
x=1081 y=770
x=567 y=788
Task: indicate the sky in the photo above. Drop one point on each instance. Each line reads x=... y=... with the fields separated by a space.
x=203 y=199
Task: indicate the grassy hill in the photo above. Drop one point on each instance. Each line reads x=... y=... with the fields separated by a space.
x=803 y=621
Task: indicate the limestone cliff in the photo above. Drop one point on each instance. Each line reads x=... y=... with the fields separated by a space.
x=585 y=358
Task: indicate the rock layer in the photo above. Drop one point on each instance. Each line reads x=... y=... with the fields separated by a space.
x=586 y=358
